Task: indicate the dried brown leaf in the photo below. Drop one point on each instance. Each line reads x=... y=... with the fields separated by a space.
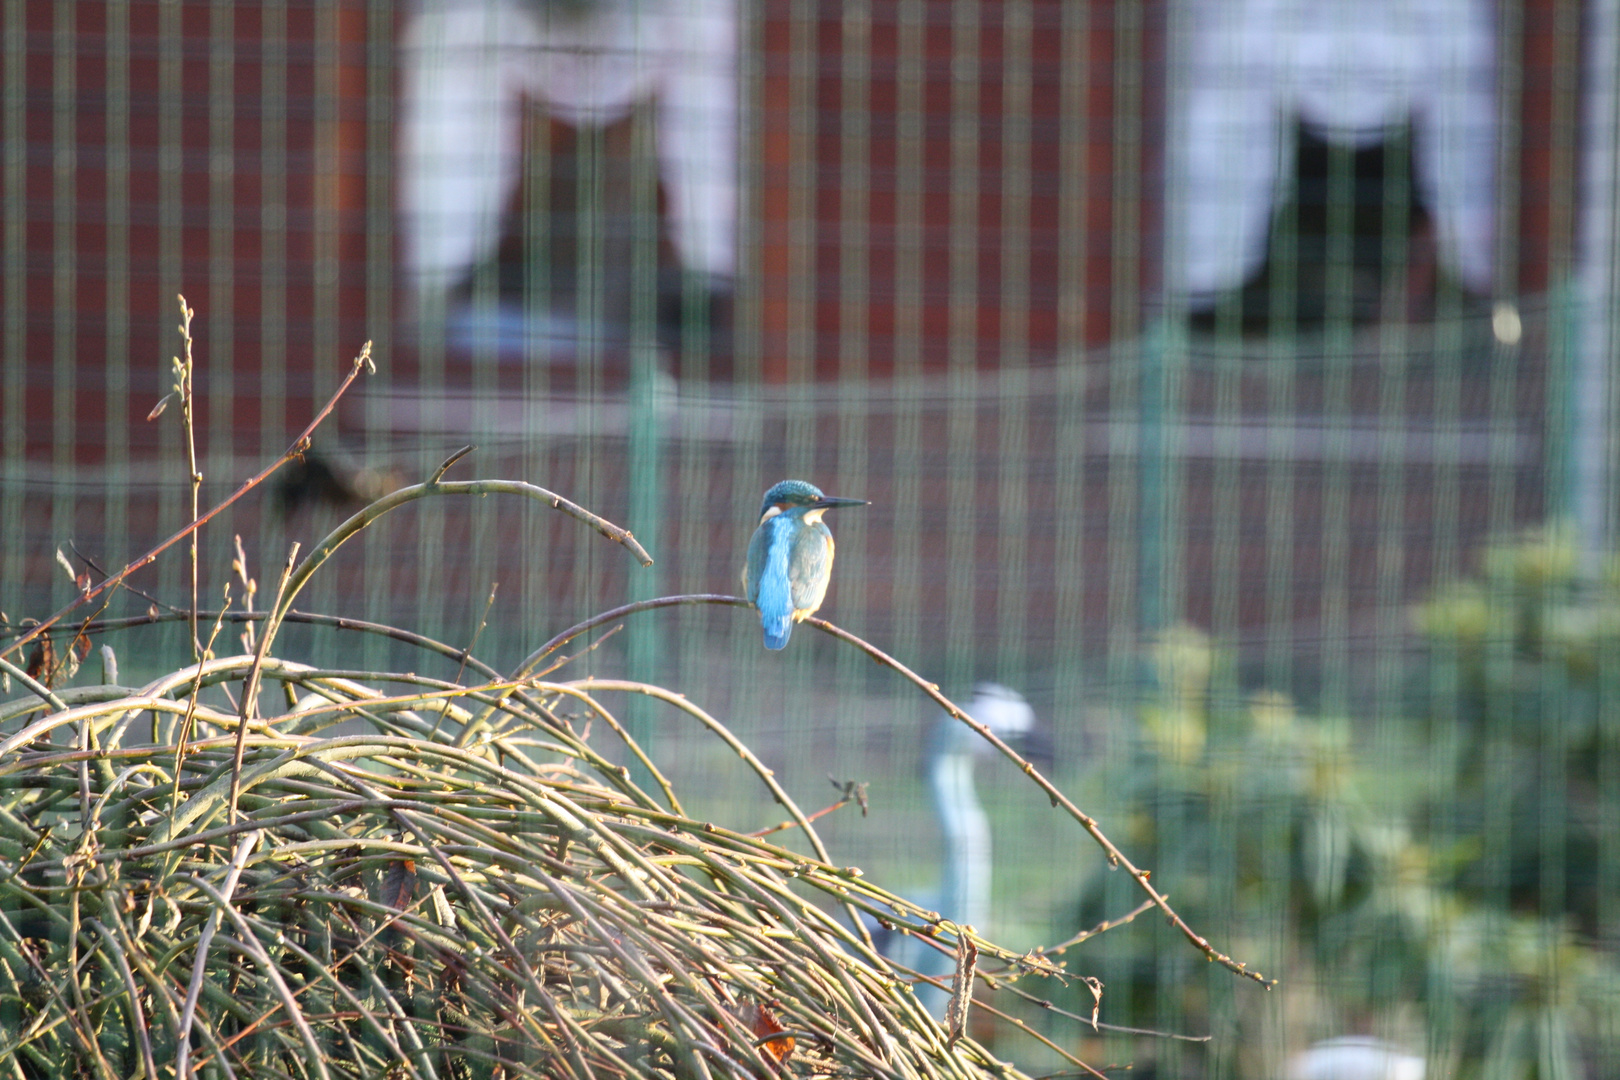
x=763 y=1023
x=956 y=1014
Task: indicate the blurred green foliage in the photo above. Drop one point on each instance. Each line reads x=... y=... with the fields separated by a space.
x=1522 y=665
x=1444 y=880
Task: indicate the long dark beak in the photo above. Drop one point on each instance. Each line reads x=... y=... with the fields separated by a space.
x=829 y=501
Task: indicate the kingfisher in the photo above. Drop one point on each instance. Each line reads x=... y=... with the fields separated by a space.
x=790 y=557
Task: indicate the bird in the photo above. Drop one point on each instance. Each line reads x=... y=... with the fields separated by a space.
x=316 y=479
x=1355 y=1057
x=790 y=557
x=965 y=869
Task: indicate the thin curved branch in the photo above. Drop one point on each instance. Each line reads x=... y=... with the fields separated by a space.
x=444 y=466
x=1053 y=793
x=299 y=445
x=534 y=658
x=339 y=622
x=394 y=500
x=29 y=682
x=737 y=746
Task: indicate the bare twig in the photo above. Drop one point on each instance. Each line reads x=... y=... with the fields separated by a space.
x=354 y=525
x=192 y=699
x=188 y=1013
x=533 y=659
x=783 y=826
x=337 y=622
x=138 y=1017
x=1001 y=984
x=444 y=467
x=299 y=445
x=250 y=588
x=1105 y=925
x=1053 y=793
x=1008 y=1018
x=94 y=564
x=956 y=1012
x=483 y=621
x=250 y=690
x=183 y=386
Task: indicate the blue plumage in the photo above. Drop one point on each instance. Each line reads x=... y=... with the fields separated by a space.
x=790 y=557
x=774 y=593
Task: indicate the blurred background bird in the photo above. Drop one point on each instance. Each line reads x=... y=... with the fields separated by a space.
x=790 y=557
x=318 y=478
x=1355 y=1057
x=963 y=894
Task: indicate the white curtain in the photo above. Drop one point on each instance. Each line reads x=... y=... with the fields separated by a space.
x=467 y=66
x=1349 y=69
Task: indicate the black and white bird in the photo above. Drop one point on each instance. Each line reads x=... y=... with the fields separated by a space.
x=966 y=866
x=1354 y=1057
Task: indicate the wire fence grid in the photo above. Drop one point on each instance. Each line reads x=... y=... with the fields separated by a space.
x=1231 y=380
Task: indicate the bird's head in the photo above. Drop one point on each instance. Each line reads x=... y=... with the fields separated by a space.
x=1008 y=716
x=799 y=495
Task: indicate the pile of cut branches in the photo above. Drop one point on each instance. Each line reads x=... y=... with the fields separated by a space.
x=257 y=867
x=418 y=879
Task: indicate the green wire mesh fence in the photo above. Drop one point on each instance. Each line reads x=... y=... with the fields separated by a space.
x=1230 y=380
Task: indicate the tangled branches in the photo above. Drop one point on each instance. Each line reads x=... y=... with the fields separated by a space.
x=427 y=880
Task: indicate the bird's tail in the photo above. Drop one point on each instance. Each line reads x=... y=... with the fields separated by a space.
x=777 y=630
